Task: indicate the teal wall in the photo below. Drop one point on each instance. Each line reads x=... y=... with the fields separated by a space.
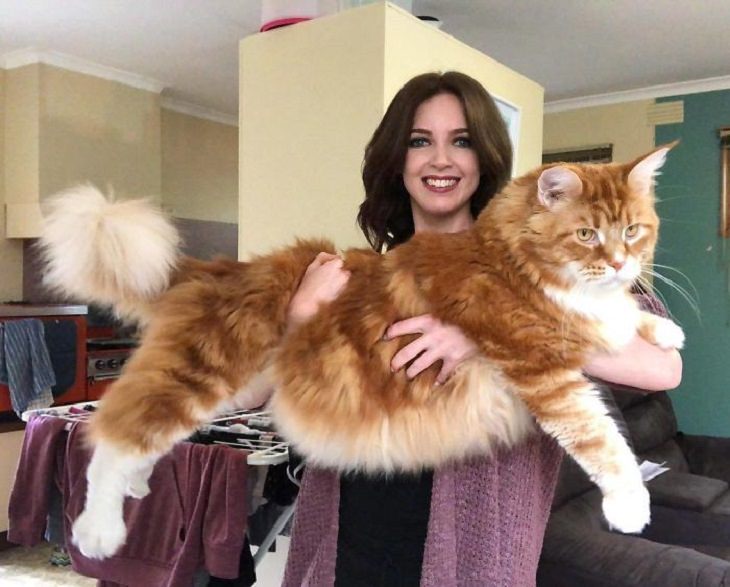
x=689 y=193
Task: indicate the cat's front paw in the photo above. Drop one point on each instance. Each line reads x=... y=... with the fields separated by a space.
x=98 y=536
x=668 y=335
x=661 y=331
x=627 y=511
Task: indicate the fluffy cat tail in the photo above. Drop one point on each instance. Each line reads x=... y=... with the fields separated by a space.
x=113 y=253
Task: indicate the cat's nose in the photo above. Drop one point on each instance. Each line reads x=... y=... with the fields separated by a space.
x=616 y=264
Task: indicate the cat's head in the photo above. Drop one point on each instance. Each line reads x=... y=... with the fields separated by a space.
x=594 y=224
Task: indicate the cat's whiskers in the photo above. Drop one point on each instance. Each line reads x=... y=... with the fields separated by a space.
x=649 y=287
x=670 y=268
x=683 y=293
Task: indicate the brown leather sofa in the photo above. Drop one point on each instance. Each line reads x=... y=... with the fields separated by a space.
x=687 y=543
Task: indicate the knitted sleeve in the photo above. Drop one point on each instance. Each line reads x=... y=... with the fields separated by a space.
x=651 y=303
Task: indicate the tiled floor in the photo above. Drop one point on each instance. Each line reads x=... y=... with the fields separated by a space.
x=29 y=567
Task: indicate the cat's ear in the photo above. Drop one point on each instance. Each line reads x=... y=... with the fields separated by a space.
x=557 y=183
x=646 y=168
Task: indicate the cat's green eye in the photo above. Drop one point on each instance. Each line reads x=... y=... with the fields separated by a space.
x=631 y=231
x=585 y=234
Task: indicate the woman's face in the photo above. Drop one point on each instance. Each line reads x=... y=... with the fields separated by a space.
x=441 y=171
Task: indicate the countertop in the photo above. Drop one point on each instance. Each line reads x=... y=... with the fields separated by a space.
x=32 y=310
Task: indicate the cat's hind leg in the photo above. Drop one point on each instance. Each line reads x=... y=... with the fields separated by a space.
x=141 y=418
x=138 y=480
x=100 y=530
x=575 y=415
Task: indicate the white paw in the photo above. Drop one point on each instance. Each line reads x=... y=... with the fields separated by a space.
x=668 y=335
x=627 y=511
x=137 y=487
x=98 y=536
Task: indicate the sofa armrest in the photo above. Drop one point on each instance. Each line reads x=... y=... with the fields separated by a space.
x=706 y=455
x=580 y=556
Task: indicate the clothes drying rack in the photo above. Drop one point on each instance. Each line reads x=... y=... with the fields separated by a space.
x=249 y=430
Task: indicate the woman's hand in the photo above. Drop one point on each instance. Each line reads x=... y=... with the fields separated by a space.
x=323 y=281
x=438 y=342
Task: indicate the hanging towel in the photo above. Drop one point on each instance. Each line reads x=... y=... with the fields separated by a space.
x=25 y=365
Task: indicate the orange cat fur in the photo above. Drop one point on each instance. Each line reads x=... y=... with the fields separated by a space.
x=539 y=283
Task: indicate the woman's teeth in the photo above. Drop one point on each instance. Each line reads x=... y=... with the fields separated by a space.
x=440 y=183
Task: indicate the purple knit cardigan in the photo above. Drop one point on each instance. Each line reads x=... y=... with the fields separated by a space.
x=486 y=525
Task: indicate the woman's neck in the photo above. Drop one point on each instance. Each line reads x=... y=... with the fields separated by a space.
x=443 y=225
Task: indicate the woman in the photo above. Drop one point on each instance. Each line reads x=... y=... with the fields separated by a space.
x=437 y=157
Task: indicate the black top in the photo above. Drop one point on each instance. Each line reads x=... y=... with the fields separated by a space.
x=382 y=530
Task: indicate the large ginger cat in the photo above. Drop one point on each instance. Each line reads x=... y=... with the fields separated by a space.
x=540 y=282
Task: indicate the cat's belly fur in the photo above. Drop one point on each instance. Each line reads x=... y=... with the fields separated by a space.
x=474 y=415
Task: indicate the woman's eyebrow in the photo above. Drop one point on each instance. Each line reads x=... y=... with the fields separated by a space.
x=424 y=131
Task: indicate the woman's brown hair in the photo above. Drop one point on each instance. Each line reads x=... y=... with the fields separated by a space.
x=385 y=216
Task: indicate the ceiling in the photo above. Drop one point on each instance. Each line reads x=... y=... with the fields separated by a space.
x=574 y=48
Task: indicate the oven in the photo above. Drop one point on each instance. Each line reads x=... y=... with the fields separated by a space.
x=105 y=358
x=65 y=337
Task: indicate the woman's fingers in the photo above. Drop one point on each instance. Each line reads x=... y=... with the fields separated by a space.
x=415 y=325
x=408 y=353
x=424 y=361
x=323 y=281
x=437 y=342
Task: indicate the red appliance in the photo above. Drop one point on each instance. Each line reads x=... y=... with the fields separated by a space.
x=75 y=388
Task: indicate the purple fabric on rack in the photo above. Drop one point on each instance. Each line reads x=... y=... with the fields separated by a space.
x=29 y=498
x=486 y=523
x=195 y=516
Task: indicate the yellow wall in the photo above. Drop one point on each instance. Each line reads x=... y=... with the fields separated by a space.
x=10 y=443
x=21 y=162
x=99 y=131
x=11 y=251
x=199 y=168
x=311 y=96
x=625 y=125
x=69 y=128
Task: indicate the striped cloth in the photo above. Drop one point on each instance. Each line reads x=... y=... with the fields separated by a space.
x=25 y=365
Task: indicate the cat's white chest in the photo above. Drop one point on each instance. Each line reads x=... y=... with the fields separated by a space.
x=615 y=313
x=618 y=323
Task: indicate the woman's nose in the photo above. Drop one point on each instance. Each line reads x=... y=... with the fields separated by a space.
x=441 y=156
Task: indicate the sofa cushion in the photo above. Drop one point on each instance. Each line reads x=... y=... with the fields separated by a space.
x=722 y=552
x=669 y=453
x=572 y=481
x=722 y=506
x=651 y=423
x=685 y=491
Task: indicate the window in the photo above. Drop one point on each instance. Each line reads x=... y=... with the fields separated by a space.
x=597 y=154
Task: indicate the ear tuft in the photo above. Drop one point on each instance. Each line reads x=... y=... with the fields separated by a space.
x=557 y=183
x=645 y=169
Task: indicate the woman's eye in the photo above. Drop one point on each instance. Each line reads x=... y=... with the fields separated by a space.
x=416 y=142
x=631 y=231
x=585 y=234
x=464 y=142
